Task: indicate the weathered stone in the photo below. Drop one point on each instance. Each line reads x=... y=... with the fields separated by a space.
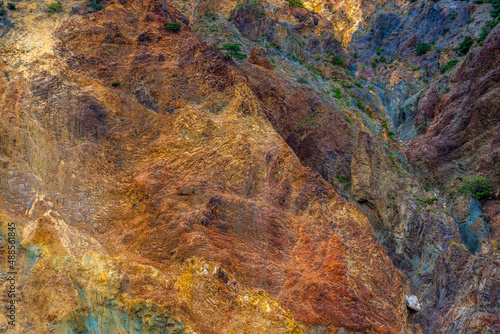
x=413 y=303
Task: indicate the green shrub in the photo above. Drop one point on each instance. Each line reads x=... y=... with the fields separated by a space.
x=337 y=61
x=295 y=3
x=422 y=49
x=379 y=50
x=233 y=50
x=484 y=33
x=3 y=11
x=486 y=30
x=10 y=5
x=465 y=45
x=173 y=26
x=95 y=5
x=115 y=83
x=427 y=201
x=391 y=135
x=276 y=46
x=449 y=65
x=313 y=70
x=302 y=80
x=342 y=179
x=453 y=15
x=495 y=12
x=211 y=15
x=477 y=187
x=54 y=7
x=382 y=59
x=358 y=84
x=337 y=94
x=298 y=41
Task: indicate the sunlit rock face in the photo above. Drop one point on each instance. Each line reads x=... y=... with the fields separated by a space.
x=250 y=167
x=344 y=17
x=168 y=202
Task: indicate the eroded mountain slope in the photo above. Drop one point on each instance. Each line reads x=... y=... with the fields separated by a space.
x=341 y=115
x=169 y=202
x=176 y=199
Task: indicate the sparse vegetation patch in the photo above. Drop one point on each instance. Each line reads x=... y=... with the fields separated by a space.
x=476 y=187
x=422 y=49
x=54 y=7
x=233 y=50
x=449 y=65
x=465 y=45
x=173 y=27
x=295 y=3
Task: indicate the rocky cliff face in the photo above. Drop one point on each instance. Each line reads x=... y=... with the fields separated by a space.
x=255 y=167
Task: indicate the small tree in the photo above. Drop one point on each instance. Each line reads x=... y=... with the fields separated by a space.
x=54 y=7
x=477 y=187
x=449 y=65
x=466 y=44
x=422 y=49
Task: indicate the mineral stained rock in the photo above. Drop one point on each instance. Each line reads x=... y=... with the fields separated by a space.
x=249 y=167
